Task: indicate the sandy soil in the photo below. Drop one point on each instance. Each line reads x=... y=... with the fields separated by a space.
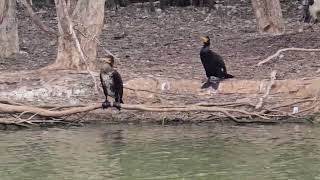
x=167 y=43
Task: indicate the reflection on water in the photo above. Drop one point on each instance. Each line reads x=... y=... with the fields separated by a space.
x=211 y=151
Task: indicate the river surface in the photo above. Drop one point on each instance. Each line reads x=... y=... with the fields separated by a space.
x=207 y=151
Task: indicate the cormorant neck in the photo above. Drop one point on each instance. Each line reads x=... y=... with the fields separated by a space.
x=206 y=45
x=105 y=68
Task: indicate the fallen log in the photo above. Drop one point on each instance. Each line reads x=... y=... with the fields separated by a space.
x=67 y=87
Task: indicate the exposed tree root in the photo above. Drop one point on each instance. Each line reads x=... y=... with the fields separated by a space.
x=8 y=108
x=232 y=111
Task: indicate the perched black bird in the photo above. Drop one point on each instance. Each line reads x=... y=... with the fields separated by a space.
x=213 y=65
x=314 y=10
x=111 y=82
x=309 y=11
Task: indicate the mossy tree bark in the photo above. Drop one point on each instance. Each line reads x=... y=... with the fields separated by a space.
x=9 y=40
x=269 y=16
x=87 y=21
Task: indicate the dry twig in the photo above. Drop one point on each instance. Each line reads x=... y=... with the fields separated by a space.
x=283 y=50
x=97 y=41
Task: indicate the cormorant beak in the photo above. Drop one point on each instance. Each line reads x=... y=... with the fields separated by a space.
x=204 y=39
x=108 y=61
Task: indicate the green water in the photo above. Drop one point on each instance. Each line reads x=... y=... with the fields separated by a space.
x=205 y=151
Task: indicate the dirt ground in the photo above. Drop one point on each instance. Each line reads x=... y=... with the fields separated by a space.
x=167 y=43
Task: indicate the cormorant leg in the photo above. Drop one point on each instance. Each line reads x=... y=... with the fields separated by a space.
x=106 y=104
x=206 y=84
x=214 y=82
x=211 y=82
x=117 y=102
x=117 y=105
x=306 y=14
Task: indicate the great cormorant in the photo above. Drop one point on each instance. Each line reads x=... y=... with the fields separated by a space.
x=111 y=82
x=314 y=10
x=213 y=64
x=306 y=12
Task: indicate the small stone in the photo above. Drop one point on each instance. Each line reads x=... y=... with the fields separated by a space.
x=158 y=10
x=281 y=56
x=23 y=53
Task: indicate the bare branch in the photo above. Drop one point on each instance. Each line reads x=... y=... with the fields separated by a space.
x=283 y=50
x=272 y=81
x=97 y=41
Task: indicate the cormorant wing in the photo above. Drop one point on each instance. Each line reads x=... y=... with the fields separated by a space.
x=218 y=59
x=104 y=85
x=117 y=85
x=117 y=80
x=216 y=66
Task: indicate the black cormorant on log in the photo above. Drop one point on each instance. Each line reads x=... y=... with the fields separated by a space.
x=111 y=82
x=213 y=64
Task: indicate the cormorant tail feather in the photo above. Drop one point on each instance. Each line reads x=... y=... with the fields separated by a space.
x=228 y=76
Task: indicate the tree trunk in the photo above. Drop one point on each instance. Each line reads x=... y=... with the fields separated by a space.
x=151 y=5
x=88 y=18
x=201 y=3
x=30 y=2
x=269 y=16
x=163 y=4
x=9 y=40
x=110 y=4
